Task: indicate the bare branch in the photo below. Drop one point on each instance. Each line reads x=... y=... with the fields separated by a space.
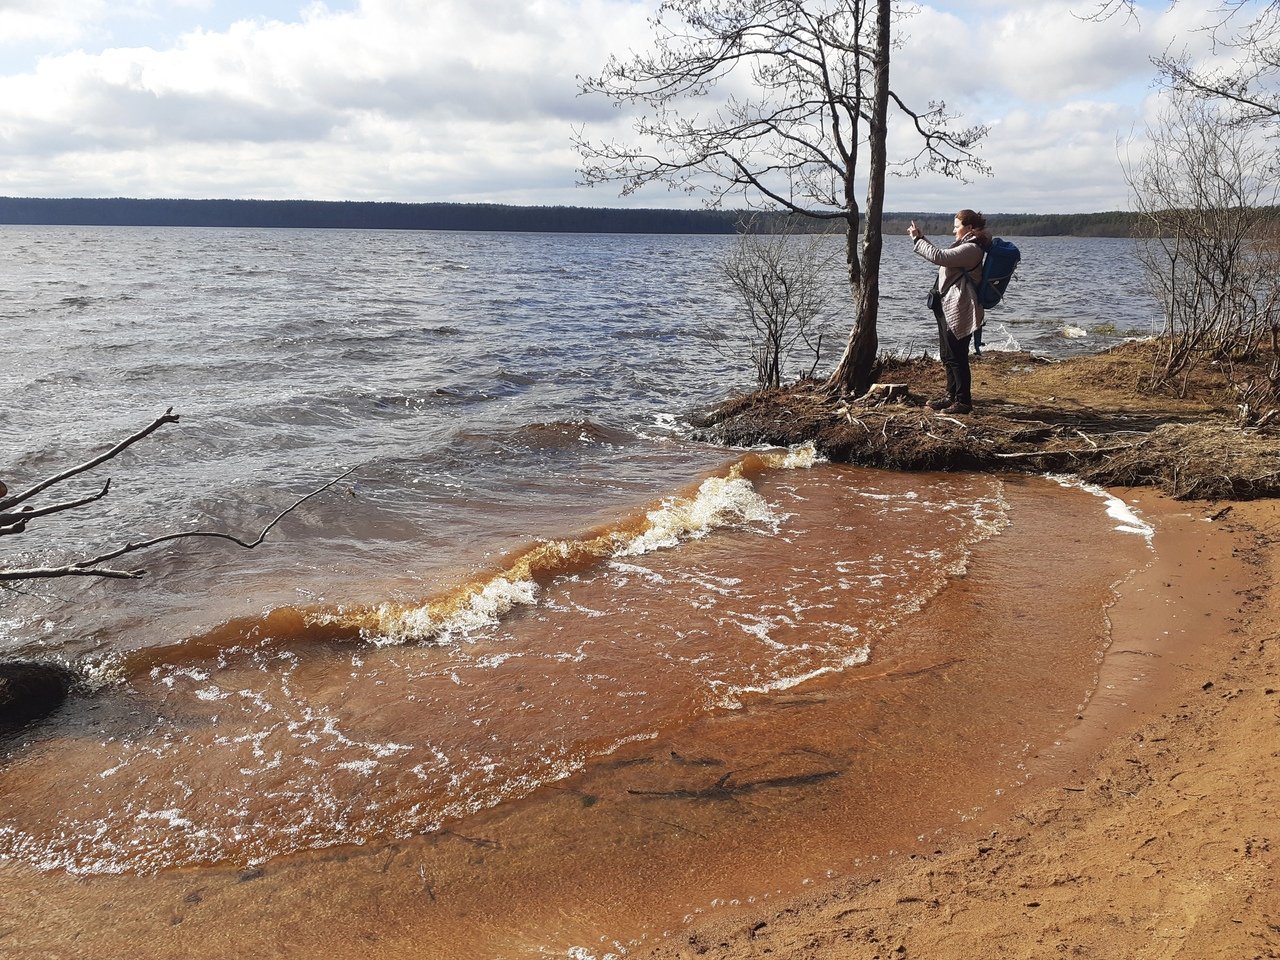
x=93 y=566
x=1106 y=9
x=167 y=417
x=20 y=519
x=46 y=573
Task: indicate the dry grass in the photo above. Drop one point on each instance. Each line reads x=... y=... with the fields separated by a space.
x=1090 y=416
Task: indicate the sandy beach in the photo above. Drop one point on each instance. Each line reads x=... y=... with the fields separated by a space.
x=1140 y=825
x=1158 y=840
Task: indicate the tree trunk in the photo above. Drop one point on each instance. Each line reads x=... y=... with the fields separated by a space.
x=854 y=374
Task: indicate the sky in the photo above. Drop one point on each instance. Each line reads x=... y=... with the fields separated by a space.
x=477 y=100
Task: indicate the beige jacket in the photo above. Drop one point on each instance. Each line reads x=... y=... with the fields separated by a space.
x=959 y=304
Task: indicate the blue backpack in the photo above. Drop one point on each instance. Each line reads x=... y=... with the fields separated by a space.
x=997 y=270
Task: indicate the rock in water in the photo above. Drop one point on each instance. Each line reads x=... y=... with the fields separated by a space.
x=31 y=689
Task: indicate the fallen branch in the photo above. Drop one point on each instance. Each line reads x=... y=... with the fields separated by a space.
x=14 y=522
x=92 y=566
x=723 y=790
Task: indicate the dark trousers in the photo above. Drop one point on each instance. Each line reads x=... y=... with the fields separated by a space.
x=954 y=352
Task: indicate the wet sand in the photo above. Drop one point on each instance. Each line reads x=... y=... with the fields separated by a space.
x=1110 y=790
x=1155 y=837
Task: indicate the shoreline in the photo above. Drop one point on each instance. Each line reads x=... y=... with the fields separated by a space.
x=623 y=848
x=1160 y=842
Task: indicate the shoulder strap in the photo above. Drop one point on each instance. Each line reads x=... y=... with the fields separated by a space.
x=964 y=271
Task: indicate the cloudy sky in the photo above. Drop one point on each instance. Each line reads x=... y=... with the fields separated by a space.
x=476 y=100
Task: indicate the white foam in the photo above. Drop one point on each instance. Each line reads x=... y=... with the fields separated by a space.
x=173 y=818
x=95 y=676
x=482 y=609
x=1117 y=509
x=798 y=457
x=730 y=699
x=1010 y=344
x=719 y=502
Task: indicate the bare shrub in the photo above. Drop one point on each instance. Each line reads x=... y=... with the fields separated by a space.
x=1202 y=189
x=780 y=281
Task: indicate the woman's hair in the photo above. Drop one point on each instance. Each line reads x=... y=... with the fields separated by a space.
x=972 y=218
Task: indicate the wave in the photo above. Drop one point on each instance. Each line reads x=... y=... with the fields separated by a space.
x=722 y=501
x=718 y=502
x=552 y=436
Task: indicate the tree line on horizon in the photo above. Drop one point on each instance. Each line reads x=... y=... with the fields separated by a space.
x=382 y=215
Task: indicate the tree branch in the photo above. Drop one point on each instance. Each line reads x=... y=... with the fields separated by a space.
x=19 y=520
x=92 y=567
x=167 y=417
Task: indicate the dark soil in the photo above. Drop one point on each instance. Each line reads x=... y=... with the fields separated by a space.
x=1090 y=416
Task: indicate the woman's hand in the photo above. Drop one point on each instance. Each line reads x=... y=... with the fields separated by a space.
x=914 y=232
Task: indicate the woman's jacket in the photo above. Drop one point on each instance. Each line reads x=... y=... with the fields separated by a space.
x=959 y=303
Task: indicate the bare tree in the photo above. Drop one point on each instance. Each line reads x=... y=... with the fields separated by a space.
x=816 y=74
x=17 y=517
x=1201 y=189
x=1247 y=32
x=780 y=281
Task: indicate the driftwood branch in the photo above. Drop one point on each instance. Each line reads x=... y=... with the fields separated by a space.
x=93 y=566
x=722 y=789
x=167 y=417
x=13 y=522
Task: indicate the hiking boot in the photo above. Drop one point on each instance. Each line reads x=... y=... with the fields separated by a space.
x=959 y=407
x=941 y=403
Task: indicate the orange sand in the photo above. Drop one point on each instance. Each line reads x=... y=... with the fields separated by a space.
x=1146 y=830
x=1160 y=842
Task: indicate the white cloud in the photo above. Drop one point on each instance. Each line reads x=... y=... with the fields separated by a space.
x=396 y=99
x=57 y=22
x=1044 y=53
x=453 y=88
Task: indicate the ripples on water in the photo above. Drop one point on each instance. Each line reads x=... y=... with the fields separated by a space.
x=499 y=392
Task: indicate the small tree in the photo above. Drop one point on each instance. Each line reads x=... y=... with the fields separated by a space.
x=1201 y=189
x=815 y=76
x=780 y=281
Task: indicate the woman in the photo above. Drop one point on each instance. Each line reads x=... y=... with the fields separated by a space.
x=957 y=309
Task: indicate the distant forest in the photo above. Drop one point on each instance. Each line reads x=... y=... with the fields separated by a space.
x=357 y=215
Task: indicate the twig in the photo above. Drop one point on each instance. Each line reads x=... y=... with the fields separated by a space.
x=167 y=417
x=17 y=522
x=91 y=568
x=1037 y=453
x=1068 y=453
